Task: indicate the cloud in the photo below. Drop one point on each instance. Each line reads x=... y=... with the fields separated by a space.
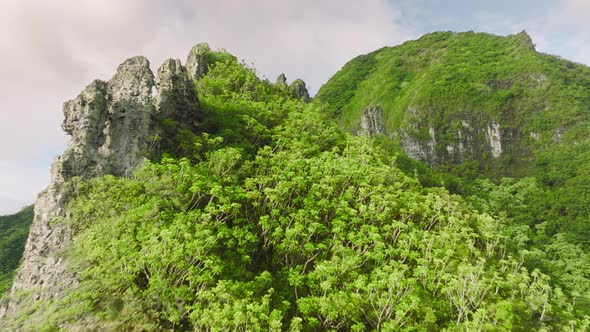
x=568 y=26
x=52 y=49
x=559 y=28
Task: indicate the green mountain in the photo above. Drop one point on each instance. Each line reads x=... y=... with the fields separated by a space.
x=448 y=98
x=14 y=230
x=474 y=104
x=473 y=107
x=261 y=211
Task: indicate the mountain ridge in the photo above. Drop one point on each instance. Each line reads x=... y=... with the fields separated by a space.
x=446 y=84
x=229 y=202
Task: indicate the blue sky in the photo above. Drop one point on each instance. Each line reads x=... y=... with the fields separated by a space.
x=50 y=50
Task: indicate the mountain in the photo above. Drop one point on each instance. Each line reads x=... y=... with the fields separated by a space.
x=459 y=108
x=448 y=98
x=227 y=202
x=473 y=105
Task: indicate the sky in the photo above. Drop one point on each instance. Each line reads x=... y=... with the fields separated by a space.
x=50 y=50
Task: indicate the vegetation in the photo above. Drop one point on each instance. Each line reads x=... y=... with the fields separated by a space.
x=14 y=230
x=274 y=218
x=542 y=101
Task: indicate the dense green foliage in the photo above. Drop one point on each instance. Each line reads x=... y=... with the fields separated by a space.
x=278 y=220
x=272 y=217
x=542 y=102
x=451 y=82
x=14 y=230
x=303 y=236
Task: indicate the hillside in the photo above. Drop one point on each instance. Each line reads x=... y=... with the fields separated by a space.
x=451 y=97
x=227 y=202
x=488 y=117
x=477 y=105
x=13 y=235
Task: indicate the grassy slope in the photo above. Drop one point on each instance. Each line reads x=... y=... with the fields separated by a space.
x=14 y=230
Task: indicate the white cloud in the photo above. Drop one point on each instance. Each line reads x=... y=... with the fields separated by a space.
x=562 y=30
x=569 y=23
x=52 y=49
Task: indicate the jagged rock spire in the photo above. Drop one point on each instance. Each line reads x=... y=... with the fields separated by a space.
x=299 y=90
x=196 y=62
x=176 y=98
x=109 y=125
x=129 y=109
x=281 y=80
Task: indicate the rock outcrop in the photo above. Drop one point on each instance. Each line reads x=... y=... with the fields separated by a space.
x=111 y=125
x=281 y=80
x=196 y=62
x=472 y=136
x=299 y=90
x=176 y=98
x=372 y=122
x=417 y=148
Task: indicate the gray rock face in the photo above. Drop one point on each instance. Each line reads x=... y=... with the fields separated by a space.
x=177 y=106
x=372 y=122
x=423 y=150
x=494 y=138
x=176 y=98
x=109 y=125
x=472 y=136
x=281 y=80
x=129 y=109
x=299 y=90
x=196 y=62
x=85 y=121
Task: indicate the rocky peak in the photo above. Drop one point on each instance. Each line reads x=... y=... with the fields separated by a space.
x=281 y=80
x=299 y=90
x=85 y=118
x=176 y=96
x=129 y=110
x=525 y=38
x=109 y=124
x=196 y=62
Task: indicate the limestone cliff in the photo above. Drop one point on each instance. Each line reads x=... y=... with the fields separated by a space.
x=372 y=122
x=112 y=126
x=472 y=136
